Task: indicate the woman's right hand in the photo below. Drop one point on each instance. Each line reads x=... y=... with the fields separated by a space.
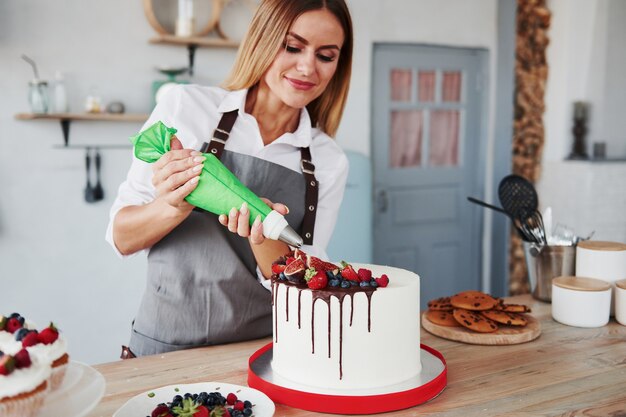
x=176 y=174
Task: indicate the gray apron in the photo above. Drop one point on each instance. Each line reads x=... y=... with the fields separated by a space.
x=202 y=286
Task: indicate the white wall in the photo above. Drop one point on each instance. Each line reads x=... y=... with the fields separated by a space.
x=54 y=263
x=587 y=61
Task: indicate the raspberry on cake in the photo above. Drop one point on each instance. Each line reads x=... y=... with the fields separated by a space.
x=334 y=314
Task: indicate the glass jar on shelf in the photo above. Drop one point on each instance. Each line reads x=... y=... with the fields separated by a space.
x=38 y=96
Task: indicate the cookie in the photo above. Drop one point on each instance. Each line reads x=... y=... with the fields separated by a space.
x=503 y=317
x=512 y=308
x=473 y=300
x=474 y=321
x=440 y=304
x=442 y=318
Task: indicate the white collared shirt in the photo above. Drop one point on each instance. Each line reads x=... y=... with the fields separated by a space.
x=195 y=112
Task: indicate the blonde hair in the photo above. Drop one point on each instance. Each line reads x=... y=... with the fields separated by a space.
x=264 y=39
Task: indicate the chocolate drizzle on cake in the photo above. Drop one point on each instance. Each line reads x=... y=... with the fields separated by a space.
x=324 y=295
x=287 y=303
x=274 y=305
x=299 y=305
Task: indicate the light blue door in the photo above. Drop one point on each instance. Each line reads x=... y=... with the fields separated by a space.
x=428 y=152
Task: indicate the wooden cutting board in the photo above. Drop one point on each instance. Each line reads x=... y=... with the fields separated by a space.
x=505 y=335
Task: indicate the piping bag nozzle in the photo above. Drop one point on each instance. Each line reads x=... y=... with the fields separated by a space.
x=275 y=227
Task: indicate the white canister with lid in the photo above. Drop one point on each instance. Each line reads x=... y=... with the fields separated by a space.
x=581 y=301
x=620 y=301
x=602 y=260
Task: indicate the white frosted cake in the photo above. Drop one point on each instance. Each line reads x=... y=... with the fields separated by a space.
x=361 y=338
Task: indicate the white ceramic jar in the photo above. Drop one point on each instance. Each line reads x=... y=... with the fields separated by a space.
x=602 y=260
x=581 y=301
x=620 y=301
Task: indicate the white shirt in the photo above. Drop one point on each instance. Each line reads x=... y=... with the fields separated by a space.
x=195 y=112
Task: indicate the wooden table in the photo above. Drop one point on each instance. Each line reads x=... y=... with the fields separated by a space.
x=566 y=371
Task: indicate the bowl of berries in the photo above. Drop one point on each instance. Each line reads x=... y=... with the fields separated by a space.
x=203 y=399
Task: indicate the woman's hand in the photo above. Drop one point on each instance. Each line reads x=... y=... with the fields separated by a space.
x=176 y=174
x=238 y=221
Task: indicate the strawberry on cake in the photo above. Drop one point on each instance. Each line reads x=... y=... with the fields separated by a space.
x=344 y=328
x=23 y=384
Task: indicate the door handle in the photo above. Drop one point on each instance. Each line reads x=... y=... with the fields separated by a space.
x=383 y=201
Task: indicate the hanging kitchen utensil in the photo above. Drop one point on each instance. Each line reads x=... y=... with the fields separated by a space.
x=98 y=192
x=89 y=191
x=522 y=232
x=482 y=203
x=517 y=193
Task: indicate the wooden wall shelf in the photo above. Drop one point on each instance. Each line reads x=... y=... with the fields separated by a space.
x=109 y=117
x=66 y=118
x=201 y=41
x=194 y=42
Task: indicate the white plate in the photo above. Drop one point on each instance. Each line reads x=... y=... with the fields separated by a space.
x=142 y=405
x=81 y=390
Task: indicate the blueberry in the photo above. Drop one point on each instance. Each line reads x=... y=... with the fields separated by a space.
x=178 y=399
x=1 y=353
x=247 y=404
x=21 y=333
x=353 y=283
x=338 y=275
x=203 y=397
x=330 y=275
x=364 y=284
x=187 y=395
x=373 y=283
x=247 y=412
x=334 y=282
x=282 y=276
x=345 y=284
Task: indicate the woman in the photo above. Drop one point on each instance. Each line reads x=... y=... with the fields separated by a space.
x=271 y=126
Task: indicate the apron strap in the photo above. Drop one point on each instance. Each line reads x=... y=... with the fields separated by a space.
x=216 y=147
x=311 y=196
x=220 y=134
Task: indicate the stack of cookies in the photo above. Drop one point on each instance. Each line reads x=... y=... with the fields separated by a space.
x=476 y=311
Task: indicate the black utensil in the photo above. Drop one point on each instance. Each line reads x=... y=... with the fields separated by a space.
x=530 y=222
x=482 y=203
x=98 y=192
x=89 y=191
x=517 y=193
x=518 y=221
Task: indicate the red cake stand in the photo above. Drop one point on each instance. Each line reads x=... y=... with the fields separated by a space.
x=432 y=381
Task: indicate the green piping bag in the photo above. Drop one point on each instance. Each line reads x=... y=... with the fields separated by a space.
x=218 y=190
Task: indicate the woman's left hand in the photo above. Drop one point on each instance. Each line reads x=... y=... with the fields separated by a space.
x=238 y=221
